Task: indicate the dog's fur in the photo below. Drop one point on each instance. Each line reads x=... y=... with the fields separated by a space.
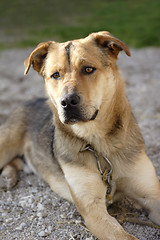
x=86 y=105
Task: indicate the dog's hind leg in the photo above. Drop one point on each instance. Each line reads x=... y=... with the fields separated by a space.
x=11 y=146
x=12 y=137
x=143 y=186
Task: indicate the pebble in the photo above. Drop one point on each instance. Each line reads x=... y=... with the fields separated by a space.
x=30 y=201
x=1 y=209
x=78 y=221
x=23 y=203
x=50 y=228
x=42 y=214
x=8 y=220
x=21 y=227
x=32 y=233
x=33 y=205
x=31 y=218
x=63 y=216
x=40 y=207
x=4 y=214
x=42 y=234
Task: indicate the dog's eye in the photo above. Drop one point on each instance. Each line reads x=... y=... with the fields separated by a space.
x=56 y=75
x=88 y=70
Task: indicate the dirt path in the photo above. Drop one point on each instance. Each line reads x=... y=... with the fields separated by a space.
x=31 y=210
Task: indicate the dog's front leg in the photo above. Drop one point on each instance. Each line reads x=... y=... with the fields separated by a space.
x=88 y=193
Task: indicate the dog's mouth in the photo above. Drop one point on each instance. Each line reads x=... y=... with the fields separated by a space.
x=75 y=118
x=94 y=115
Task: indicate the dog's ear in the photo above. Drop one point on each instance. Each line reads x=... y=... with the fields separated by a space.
x=37 y=57
x=114 y=45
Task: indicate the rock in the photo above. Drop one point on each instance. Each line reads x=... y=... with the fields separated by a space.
x=63 y=216
x=40 y=207
x=8 y=220
x=21 y=226
x=23 y=203
x=42 y=214
x=50 y=229
x=4 y=214
x=42 y=234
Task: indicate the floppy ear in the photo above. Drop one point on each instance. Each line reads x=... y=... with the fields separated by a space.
x=106 y=40
x=37 y=57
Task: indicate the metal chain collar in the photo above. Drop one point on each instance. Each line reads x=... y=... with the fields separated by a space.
x=106 y=175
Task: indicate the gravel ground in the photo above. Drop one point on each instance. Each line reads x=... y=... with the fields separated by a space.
x=31 y=211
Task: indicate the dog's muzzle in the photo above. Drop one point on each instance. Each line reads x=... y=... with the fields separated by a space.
x=72 y=110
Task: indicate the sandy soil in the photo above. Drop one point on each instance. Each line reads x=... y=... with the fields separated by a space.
x=31 y=210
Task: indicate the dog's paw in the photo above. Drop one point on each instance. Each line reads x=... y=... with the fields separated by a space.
x=154 y=212
x=155 y=216
x=5 y=183
x=8 y=177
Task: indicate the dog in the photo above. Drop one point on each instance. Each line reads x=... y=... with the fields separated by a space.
x=83 y=140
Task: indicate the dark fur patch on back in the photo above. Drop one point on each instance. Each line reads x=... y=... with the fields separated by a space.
x=39 y=120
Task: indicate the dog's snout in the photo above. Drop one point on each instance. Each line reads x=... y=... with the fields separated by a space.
x=70 y=100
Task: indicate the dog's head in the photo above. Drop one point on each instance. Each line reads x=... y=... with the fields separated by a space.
x=79 y=75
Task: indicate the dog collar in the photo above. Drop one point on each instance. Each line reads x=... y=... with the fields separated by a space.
x=106 y=175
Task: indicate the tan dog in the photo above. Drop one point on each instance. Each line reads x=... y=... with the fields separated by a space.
x=83 y=141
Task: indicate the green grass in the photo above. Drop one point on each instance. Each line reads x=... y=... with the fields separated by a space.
x=25 y=23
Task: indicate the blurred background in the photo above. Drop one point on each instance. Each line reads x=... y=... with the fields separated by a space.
x=25 y=23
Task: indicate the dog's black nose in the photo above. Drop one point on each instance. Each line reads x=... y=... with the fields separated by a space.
x=70 y=100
